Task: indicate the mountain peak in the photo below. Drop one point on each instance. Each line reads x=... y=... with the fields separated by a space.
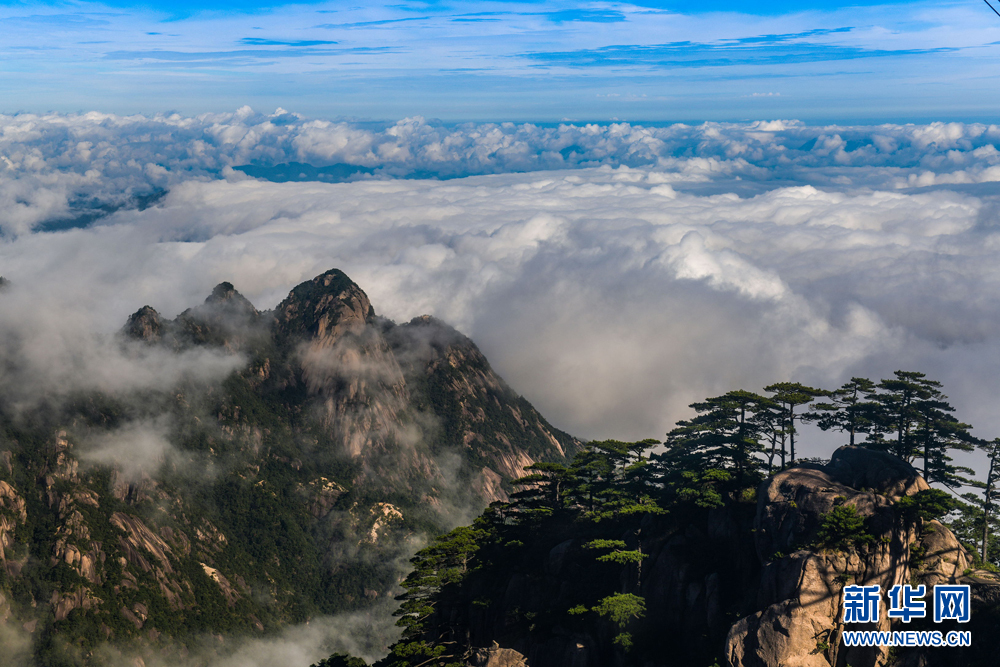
x=223 y=292
x=144 y=324
x=225 y=318
x=323 y=308
x=226 y=301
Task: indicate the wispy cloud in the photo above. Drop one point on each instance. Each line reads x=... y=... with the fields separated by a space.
x=766 y=50
x=583 y=16
x=59 y=21
x=373 y=24
x=561 y=59
x=259 y=41
x=245 y=55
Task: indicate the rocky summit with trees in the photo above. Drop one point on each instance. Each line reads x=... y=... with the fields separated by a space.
x=719 y=546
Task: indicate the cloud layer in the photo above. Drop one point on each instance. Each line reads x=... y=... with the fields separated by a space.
x=612 y=283
x=58 y=171
x=613 y=274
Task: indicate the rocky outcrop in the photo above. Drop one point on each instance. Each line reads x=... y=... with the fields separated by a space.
x=144 y=324
x=868 y=469
x=800 y=596
x=13 y=513
x=323 y=310
x=323 y=494
x=226 y=319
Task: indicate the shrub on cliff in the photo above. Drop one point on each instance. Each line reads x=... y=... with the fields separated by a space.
x=843 y=528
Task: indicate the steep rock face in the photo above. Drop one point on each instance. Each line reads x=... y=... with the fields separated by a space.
x=500 y=431
x=694 y=580
x=348 y=366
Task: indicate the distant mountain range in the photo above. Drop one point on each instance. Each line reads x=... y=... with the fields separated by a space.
x=296 y=487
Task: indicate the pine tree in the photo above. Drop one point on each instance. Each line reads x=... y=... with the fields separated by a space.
x=542 y=489
x=991 y=488
x=774 y=430
x=983 y=513
x=441 y=565
x=724 y=435
x=914 y=409
x=849 y=410
x=592 y=472
x=612 y=478
x=790 y=395
x=899 y=402
x=937 y=434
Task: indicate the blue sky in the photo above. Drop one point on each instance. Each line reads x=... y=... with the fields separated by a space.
x=538 y=61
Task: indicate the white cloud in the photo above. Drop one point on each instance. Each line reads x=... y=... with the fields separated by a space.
x=136 y=449
x=63 y=170
x=609 y=298
x=56 y=338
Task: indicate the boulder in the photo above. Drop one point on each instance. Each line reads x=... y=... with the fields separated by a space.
x=800 y=598
x=882 y=472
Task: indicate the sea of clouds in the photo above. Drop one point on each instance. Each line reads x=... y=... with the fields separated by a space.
x=612 y=273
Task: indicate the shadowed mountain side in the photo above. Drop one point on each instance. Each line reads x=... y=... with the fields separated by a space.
x=298 y=485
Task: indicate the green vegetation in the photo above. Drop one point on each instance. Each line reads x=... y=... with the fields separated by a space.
x=605 y=493
x=621 y=608
x=842 y=528
x=929 y=504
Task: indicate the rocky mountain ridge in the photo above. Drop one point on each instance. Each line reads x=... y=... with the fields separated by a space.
x=297 y=487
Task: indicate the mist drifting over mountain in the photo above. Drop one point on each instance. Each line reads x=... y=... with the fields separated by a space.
x=613 y=273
